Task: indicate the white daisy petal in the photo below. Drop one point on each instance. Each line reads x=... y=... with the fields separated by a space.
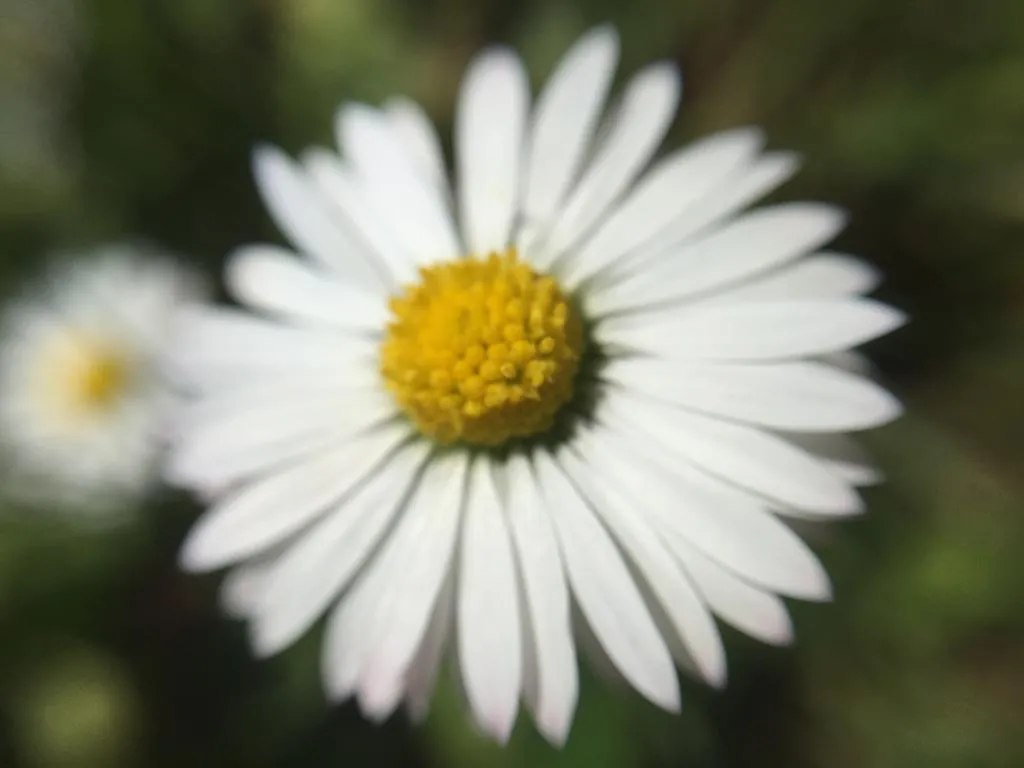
x=607 y=595
x=851 y=361
x=489 y=122
x=272 y=279
x=842 y=454
x=346 y=643
x=679 y=600
x=317 y=567
x=688 y=506
x=235 y=445
x=753 y=611
x=733 y=195
x=752 y=244
x=489 y=634
x=637 y=129
x=553 y=695
x=267 y=397
x=424 y=544
x=824 y=275
x=261 y=514
x=417 y=134
x=763 y=330
x=423 y=671
x=216 y=345
x=392 y=183
x=748 y=457
x=243 y=585
x=673 y=185
x=342 y=187
x=224 y=448
x=805 y=396
x=302 y=214
x=209 y=483
x=566 y=115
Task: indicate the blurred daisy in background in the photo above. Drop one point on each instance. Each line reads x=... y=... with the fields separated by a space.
x=456 y=412
x=84 y=399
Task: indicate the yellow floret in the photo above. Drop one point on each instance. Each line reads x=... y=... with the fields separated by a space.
x=482 y=350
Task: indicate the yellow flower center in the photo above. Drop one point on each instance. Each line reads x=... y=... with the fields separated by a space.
x=482 y=350
x=84 y=376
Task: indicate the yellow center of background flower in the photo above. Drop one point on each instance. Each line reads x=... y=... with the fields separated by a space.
x=482 y=350
x=84 y=376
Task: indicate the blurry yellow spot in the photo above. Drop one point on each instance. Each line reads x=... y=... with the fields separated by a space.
x=84 y=376
x=481 y=350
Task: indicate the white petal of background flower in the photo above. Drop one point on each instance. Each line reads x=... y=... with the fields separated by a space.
x=100 y=318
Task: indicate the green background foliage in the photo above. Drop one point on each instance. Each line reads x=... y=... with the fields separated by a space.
x=135 y=118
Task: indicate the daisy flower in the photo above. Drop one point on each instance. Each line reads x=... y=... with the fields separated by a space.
x=83 y=397
x=457 y=414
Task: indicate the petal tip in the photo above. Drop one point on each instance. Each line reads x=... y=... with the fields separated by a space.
x=890 y=318
x=495 y=61
x=264 y=639
x=378 y=700
x=751 y=138
x=820 y=589
x=555 y=724
x=603 y=37
x=197 y=554
x=497 y=720
x=666 y=695
x=783 y=634
x=714 y=671
x=785 y=163
x=265 y=154
x=891 y=409
x=663 y=75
